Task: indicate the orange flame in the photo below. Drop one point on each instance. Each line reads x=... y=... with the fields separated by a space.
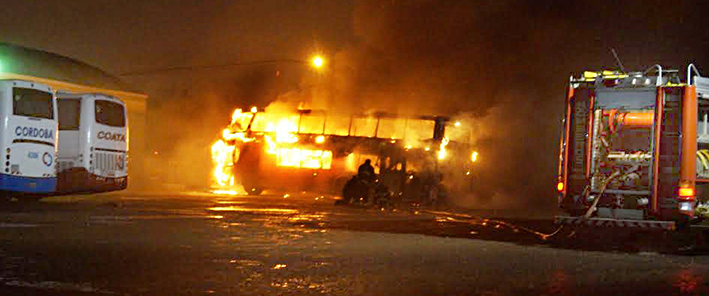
x=222 y=156
x=281 y=142
x=442 y=150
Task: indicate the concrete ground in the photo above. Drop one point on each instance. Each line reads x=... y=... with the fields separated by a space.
x=201 y=243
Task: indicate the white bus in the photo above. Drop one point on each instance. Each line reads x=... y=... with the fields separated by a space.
x=28 y=139
x=93 y=143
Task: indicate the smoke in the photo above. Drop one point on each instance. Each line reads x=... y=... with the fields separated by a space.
x=443 y=58
x=429 y=57
x=497 y=66
x=188 y=114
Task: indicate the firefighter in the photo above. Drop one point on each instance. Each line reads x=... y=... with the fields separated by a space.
x=366 y=171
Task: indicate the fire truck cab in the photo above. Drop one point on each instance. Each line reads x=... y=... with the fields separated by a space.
x=630 y=153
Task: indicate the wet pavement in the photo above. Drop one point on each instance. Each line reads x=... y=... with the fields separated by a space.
x=194 y=243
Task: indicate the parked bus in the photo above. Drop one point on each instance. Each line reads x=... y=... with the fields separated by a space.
x=28 y=139
x=93 y=143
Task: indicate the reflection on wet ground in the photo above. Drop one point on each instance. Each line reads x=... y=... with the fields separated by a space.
x=301 y=244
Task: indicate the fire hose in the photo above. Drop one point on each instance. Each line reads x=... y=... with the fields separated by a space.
x=704 y=158
x=541 y=235
x=604 y=185
x=455 y=217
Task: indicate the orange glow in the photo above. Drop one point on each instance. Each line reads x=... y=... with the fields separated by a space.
x=442 y=150
x=474 y=156
x=227 y=135
x=686 y=191
x=294 y=139
x=285 y=131
x=222 y=157
x=295 y=157
x=304 y=158
x=318 y=62
x=560 y=186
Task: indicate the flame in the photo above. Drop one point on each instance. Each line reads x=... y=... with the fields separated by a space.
x=280 y=137
x=285 y=131
x=300 y=140
x=304 y=158
x=222 y=156
x=228 y=135
x=442 y=150
x=236 y=115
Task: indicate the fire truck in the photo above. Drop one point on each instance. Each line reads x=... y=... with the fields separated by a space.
x=630 y=153
x=312 y=150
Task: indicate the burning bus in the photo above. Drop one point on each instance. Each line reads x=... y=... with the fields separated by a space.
x=318 y=151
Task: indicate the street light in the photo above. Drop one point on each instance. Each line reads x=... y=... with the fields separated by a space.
x=318 y=62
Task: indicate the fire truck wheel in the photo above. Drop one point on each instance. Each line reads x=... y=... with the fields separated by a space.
x=255 y=191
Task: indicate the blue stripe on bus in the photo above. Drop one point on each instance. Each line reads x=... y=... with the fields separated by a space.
x=27 y=184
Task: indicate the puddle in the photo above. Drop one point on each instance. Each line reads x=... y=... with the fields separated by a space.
x=266 y=211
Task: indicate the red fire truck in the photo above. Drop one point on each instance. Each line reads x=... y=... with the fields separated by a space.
x=630 y=153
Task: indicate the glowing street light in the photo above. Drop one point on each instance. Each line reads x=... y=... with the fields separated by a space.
x=318 y=62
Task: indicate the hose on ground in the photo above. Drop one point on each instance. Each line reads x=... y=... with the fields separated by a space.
x=451 y=217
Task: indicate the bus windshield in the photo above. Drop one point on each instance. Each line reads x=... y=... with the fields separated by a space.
x=32 y=103
x=110 y=113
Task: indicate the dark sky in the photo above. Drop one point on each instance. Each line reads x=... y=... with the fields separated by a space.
x=123 y=36
x=504 y=62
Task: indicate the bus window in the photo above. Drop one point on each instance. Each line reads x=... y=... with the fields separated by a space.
x=110 y=113
x=32 y=103
x=69 y=114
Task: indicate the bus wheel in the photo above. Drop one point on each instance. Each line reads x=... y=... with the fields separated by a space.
x=255 y=191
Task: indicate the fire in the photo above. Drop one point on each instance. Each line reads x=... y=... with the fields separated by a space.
x=228 y=135
x=222 y=156
x=442 y=150
x=223 y=152
x=304 y=158
x=285 y=131
x=296 y=157
x=281 y=141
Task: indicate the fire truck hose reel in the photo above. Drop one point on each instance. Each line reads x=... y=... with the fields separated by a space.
x=634 y=120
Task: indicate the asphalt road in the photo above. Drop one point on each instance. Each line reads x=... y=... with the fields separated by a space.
x=194 y=243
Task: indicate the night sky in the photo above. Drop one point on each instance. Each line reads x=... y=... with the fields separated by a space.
x=504 y=63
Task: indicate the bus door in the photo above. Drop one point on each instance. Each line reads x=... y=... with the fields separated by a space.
x=70 y=135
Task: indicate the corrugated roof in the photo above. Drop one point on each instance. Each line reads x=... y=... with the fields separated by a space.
x=32 y=62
